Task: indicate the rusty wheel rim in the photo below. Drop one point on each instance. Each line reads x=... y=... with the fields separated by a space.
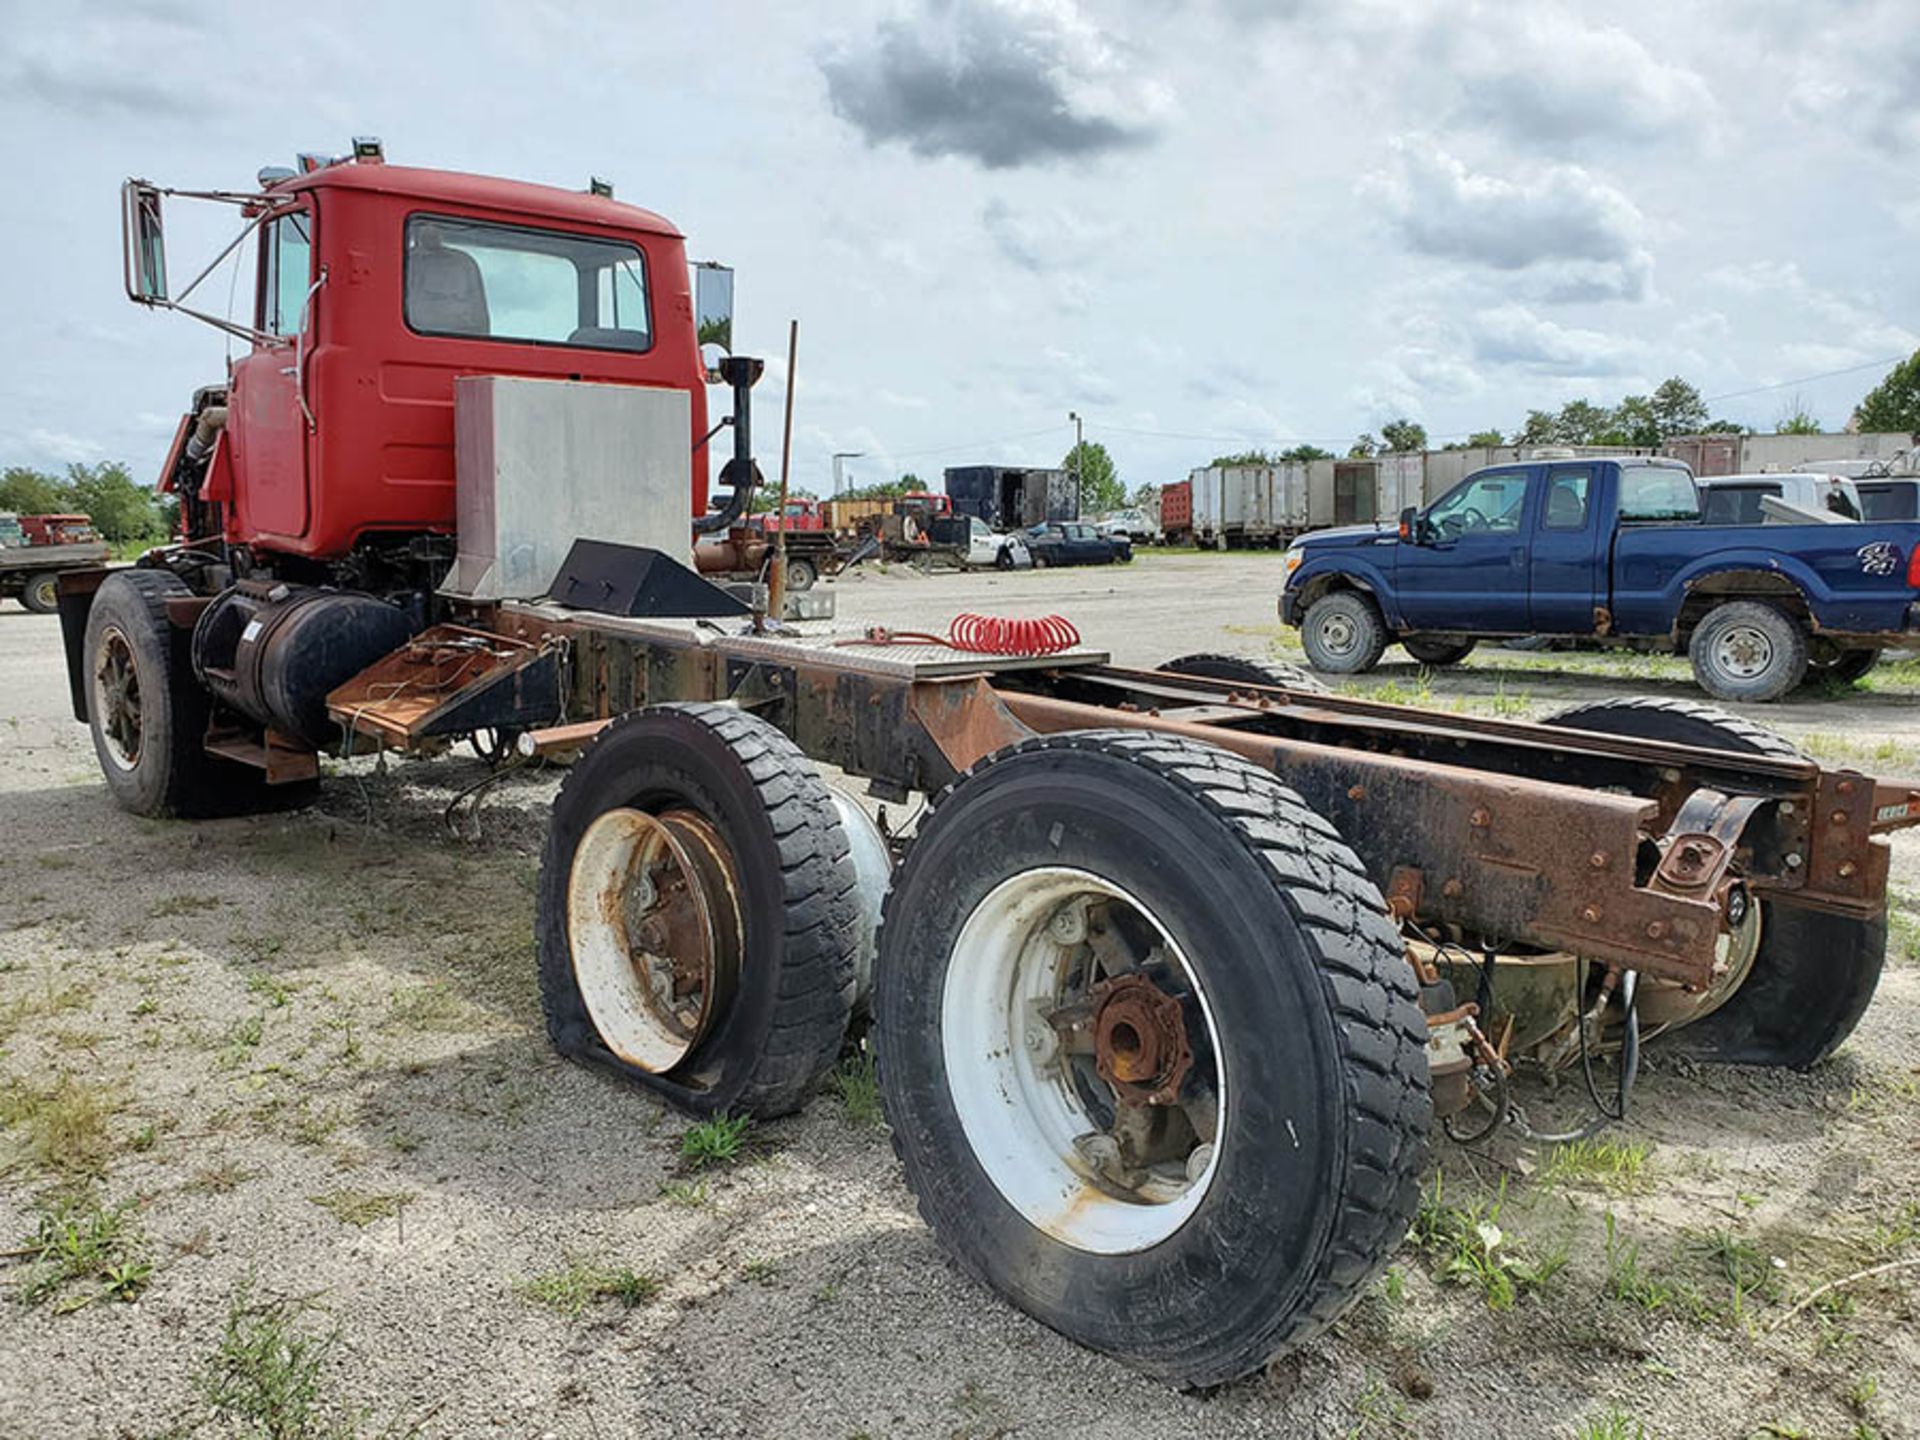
x=1083 y=1060
x=654 y=925
x=117 y=698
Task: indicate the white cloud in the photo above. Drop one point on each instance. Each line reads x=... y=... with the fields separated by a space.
x=1512 y=335
x=1569 y=234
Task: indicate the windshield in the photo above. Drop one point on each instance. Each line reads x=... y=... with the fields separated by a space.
x=507 y=282
x=1657 y=492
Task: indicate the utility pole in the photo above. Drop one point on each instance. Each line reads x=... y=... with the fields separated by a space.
x=1079 y=440
x=838 y=456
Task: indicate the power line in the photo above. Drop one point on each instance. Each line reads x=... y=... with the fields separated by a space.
x=975 y=444
x=1803 y=380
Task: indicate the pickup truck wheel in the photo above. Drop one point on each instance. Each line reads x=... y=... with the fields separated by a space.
x=1343 y=634
x=1150 y=1050
x=1003 y=558
x=1240 y=670
x=1432 y=650
x=1845 y=667
x=698 y=916
x=1747 y=650
x=802 y=573
x=148 y=715
x=41 y=593
x=1814 y=974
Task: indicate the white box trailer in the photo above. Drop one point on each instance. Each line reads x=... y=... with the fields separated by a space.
x=1235 y=506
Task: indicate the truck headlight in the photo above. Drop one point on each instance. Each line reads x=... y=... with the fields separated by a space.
x=1291 y=560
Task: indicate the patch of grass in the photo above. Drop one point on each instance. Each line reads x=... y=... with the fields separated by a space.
x=718 y=1141
x=432 y=1006
x=1378 y=1411
x=239 y=1041
x=65 y=1125
x=1470 y=1249
x=1615 y=1424
x=267 y=1374
x=48 y=1003
x=361 y=1208
x=1617 y=1166
x=859 y=1091
x=274 y=991
x=78 y=1242
x=569 y=1291
x=761 y=1272
x=690 y=1193
x=220 y=1178
x=1748 y=1273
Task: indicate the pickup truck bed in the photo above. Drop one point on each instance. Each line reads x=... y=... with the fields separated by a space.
x=28 y=572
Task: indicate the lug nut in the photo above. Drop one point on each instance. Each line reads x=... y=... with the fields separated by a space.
x=1598 y=859
x=1480 y=819
x=1591 y=914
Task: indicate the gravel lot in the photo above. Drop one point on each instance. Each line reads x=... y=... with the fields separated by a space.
x=298 y=1062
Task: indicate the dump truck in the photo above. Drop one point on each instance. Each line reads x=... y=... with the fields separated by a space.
x=1171 y=981
x=34 y=549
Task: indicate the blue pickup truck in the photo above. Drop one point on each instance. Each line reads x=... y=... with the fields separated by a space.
x=1611 y=551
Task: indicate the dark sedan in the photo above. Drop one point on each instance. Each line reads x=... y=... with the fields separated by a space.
x=1072 y=543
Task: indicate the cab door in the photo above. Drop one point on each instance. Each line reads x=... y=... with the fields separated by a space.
x=270 y=423
x=1468 y=570
x=1566 y=553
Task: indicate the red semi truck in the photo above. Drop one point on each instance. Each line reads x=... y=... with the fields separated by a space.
x=1158 y=1056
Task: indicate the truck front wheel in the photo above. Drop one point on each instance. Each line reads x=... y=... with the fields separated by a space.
x=802 y=573
x=1150 y=1050
x=41 y=594
x=1343 y=633
x=1748 y=650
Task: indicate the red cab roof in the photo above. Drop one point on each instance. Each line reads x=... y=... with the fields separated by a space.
x=516 y=197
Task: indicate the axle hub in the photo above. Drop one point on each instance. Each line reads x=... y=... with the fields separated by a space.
x=1140 y=1041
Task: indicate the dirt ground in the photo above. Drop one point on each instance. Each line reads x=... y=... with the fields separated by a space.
x=283 y=1150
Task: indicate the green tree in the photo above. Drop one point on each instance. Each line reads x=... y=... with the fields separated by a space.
x=911 y=482
x=1678 y=408
x=1634 y=423
x=1243 y=457
x=1725 y=427
x=1580 y=422
x=1488 y=438
x=1893 y=404
x=121 y=508
x=1539 y=429
x=1304 y=453
x=1795 y=419
x=33 y=492
x=1100 y=487
x=1403 y=436
x=1364 y=446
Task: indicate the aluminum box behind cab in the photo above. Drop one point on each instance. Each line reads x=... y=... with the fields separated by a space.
x=541 y=463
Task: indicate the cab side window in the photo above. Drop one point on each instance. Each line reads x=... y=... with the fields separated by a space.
x=286 y=248
x=1567 y=490
x=1492 y=502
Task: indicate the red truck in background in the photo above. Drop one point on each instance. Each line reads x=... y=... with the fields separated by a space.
x=1176 y=512
x=34 y=549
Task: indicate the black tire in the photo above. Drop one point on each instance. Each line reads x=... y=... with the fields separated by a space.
x=1432 y=650
x=1683 y=722
x=1814 y=974
x=802 y=573
x=1844 y=669
x=1343 y=633
x=169 y=772
x=41 y=593
x=1003 y=558
x=1239 y=670
x=1748 y=628
x=797 y=897
x=1318 y=1169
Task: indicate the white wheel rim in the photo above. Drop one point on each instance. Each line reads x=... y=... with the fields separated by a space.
x=117 y=697
x=1743 y=651
x=653 y=924
x=1011 y=1081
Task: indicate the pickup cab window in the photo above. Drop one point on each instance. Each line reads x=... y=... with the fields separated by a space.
x=1494 y=501
x=1567 y=491
x=1657 y=493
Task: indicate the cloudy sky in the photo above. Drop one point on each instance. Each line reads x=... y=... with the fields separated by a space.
x=1202 y=226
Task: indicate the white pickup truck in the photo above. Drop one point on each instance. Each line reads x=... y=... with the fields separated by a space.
x=1735 y=499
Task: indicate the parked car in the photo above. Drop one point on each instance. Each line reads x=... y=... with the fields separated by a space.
x=1615 y=552
x=1132 y=524
x=988 y=547
x=1894 y=498
x=1076 y=543
x=1735 y=499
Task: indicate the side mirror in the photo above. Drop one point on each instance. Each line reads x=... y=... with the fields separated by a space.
x=1410 y=524
x=713 y=313
x=143 y=244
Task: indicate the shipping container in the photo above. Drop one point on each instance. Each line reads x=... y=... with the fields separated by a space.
x=1011 y=498
x=1241 y=505
x=1176 y=512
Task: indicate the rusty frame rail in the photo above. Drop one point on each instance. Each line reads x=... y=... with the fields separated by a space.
x=1503 y=829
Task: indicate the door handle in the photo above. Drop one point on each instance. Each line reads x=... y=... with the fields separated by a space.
x=1517 y=557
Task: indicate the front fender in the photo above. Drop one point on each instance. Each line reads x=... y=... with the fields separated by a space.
x=1353 y=571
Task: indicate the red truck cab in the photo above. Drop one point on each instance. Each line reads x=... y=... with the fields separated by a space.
x=377 y=286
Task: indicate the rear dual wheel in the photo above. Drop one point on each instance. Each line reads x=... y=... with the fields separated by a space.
x=699 y=912
x=1150 y=1050
x=41 y=593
